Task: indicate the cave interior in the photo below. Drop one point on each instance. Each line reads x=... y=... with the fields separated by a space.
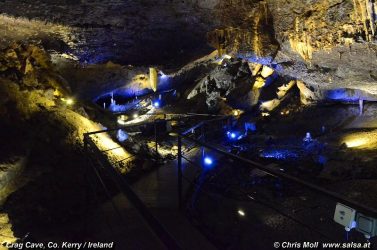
x=195 y=124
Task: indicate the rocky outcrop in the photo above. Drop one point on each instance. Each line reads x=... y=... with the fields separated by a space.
x=92 y=81
x=28 y=82
x=31 y=67
x=228 y=82
x=328 y=45
x=167 y=32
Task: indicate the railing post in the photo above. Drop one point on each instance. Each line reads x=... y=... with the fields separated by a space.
x=86 y=172
x=203 y=138
x=179 y=172
x=155 y=139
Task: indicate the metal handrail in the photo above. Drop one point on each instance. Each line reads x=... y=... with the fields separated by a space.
x=162 y=233
x=146 y=123
x=157 y=227
x=363 y=208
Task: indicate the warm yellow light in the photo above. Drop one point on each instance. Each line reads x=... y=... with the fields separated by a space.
x=135 y=116
x=241 y=212
x=220 y=61
x=236 y=112
x=357 y=142
x=121 y=122
x=56 y=92
x=267 y=71
x=69 y=101
x=7 y=234
x=102 y=140
x=105 y=143
x=361 y=140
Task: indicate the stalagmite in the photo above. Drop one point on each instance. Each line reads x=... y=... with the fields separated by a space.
x=153 y=79
x=361 y=106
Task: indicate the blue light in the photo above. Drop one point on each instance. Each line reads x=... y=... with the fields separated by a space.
x=208 y=161
x=343 y=94
x=156 y=104
x=163 y=76
x=234 y=135
x=122 y=136
x=279 y=154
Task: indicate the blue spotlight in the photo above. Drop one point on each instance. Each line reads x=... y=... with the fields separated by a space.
x=232 y=135
x=163 y=76
x=208 y=161
x=156 y=104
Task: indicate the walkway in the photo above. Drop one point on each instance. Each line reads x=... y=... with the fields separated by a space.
x=158 y=191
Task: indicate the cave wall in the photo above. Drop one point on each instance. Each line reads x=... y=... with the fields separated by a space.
x=167 y=32
x=328 y=44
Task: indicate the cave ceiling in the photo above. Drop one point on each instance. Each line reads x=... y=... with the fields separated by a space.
x=123 y=31
x=325 y=43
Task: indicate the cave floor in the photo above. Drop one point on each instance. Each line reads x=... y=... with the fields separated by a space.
x=349 y=170
x=158 y=191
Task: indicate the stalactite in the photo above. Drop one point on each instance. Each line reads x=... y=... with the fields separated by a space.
x=253 y=37
x=303 y=36
x=370 y=15
x=302 y=45
x=364 y=13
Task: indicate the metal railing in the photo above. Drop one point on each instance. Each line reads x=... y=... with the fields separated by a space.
x=197 y=140
x=167 y=239
x=91 y=149
x=272 y=171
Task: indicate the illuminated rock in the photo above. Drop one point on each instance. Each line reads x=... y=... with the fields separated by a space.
x=6 y=232
x=270 y=105
x=281 y=93
x=153 y=79
x=267 y=71
x=306 y=95
x=255 y=68
x=230 y=82
x=259 y=83
x=282 y=90
x=249 y=37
